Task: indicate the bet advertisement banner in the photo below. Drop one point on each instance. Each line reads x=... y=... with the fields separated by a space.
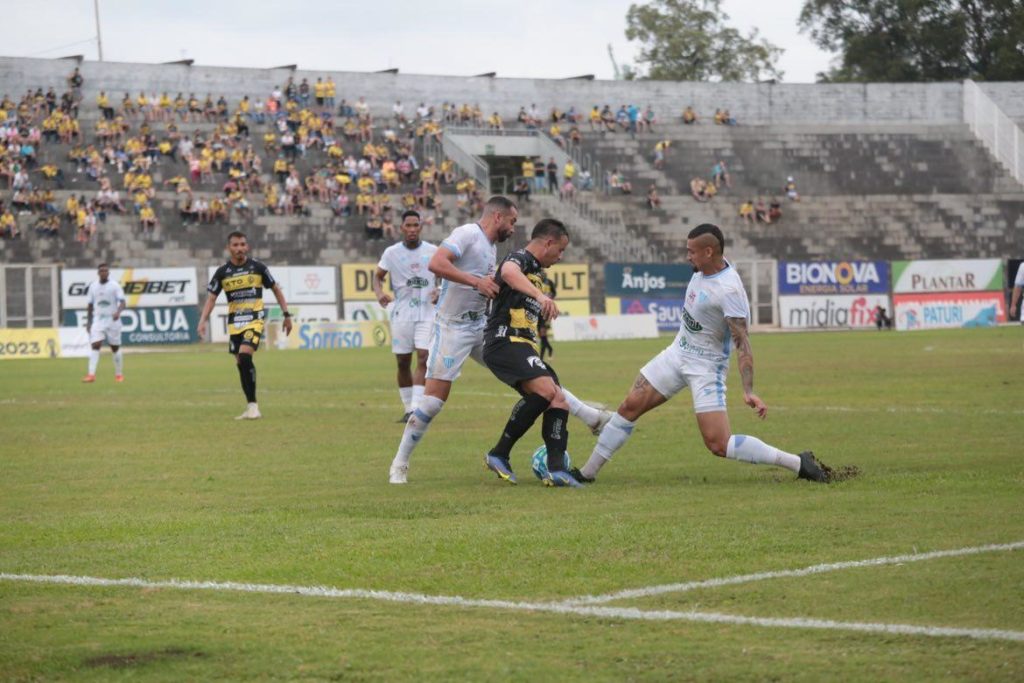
x=164 y=325
x=302 y=313
x=603 y=327
x=336 y=335
x=667 y=312
x=830 y=312
x=21 y=344
x=299 y=284
x=833 y=277
x=967 y=275
x=143 y=287
x=945 y=310
x=646 y=280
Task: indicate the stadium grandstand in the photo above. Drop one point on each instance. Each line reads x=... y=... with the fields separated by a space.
x=149 y=164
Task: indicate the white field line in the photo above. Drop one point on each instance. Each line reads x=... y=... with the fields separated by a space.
x=788 y=573
x=628 y=613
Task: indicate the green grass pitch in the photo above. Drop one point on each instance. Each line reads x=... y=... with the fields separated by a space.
x=154 y=479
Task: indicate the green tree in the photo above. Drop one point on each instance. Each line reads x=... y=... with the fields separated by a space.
x=918 y=40
x=687 y=40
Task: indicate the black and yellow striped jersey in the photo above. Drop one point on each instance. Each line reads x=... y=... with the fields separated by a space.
x=243 y=285
x=514 y=316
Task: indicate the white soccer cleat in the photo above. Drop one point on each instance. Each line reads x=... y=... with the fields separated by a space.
x=252 y=412
x=398 y=474
x=605 y=416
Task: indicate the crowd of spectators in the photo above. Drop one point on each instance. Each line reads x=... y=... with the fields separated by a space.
x=318 y=152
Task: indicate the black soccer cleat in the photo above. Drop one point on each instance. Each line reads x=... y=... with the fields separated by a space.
x=811 y=469
x=578 y=476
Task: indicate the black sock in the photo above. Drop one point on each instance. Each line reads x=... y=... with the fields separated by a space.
x=247 y=372
x=524 y=414
x=556 y=437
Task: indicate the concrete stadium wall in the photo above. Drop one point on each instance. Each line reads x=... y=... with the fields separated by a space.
x=924 y=103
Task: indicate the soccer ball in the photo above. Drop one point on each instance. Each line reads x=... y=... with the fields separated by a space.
x=540 y=462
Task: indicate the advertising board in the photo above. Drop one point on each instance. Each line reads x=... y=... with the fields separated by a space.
x=37 y=342
x=357 y=282
x=595 y=327
x=650 y=280
x=966 y=275
x=143 y=287
x=304 y=313
x=957 y=309
x=338 y=335
x=833 y=277
x=163 y=325
x=667 y=312
x=830 y=312
x=299 y=284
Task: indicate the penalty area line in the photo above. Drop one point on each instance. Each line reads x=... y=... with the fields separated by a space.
x=627 y=613
x=787 y=573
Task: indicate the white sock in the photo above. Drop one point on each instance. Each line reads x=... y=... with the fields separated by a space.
x=118 y=363
x=580 y=409
x=94 y=360
x=406 y=394
x=756 y=452
x=614 y=434
x=416 y=427
x=417 y=396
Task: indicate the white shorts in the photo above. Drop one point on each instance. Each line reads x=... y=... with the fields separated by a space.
x=450 y=346
x=408 y=335
x=672 y=370
x=109 y=332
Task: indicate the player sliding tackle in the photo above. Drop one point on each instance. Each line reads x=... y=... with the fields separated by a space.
x=465 y=262
x=715 y=313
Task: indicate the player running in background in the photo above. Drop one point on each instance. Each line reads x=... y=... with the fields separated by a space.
x=511 y=345
x=103 y=322
x=242 y=279
x=465 y=262
x=715 y=317
x=547 y=287
x=412 y=314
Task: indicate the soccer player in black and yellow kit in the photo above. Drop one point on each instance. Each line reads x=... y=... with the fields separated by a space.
x=511 y=348
x=242 y=279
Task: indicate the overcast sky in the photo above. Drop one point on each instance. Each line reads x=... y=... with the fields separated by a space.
x=449 y=37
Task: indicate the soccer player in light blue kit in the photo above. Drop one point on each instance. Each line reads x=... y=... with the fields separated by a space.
x=715 y=320
x=465 y=262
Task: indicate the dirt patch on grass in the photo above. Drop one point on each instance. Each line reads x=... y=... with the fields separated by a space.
x=123 y=661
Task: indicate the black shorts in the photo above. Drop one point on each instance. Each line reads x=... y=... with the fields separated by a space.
x=245 y=338
x=515 y=362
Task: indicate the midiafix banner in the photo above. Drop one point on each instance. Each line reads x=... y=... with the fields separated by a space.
x=830 y=312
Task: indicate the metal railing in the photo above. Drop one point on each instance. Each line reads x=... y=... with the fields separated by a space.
x=995 y=129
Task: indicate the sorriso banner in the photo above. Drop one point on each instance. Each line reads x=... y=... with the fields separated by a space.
x=830 y=312
x=964 y=309
x=143 y=287
x=667 y=312
x=165 y=325
x=337 y=335
x=649 y=280
x=966 y=275
x=833 y=277
x=299 y=284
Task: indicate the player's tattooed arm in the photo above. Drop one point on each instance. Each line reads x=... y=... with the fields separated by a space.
x=640 y=383
x=741 y=341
